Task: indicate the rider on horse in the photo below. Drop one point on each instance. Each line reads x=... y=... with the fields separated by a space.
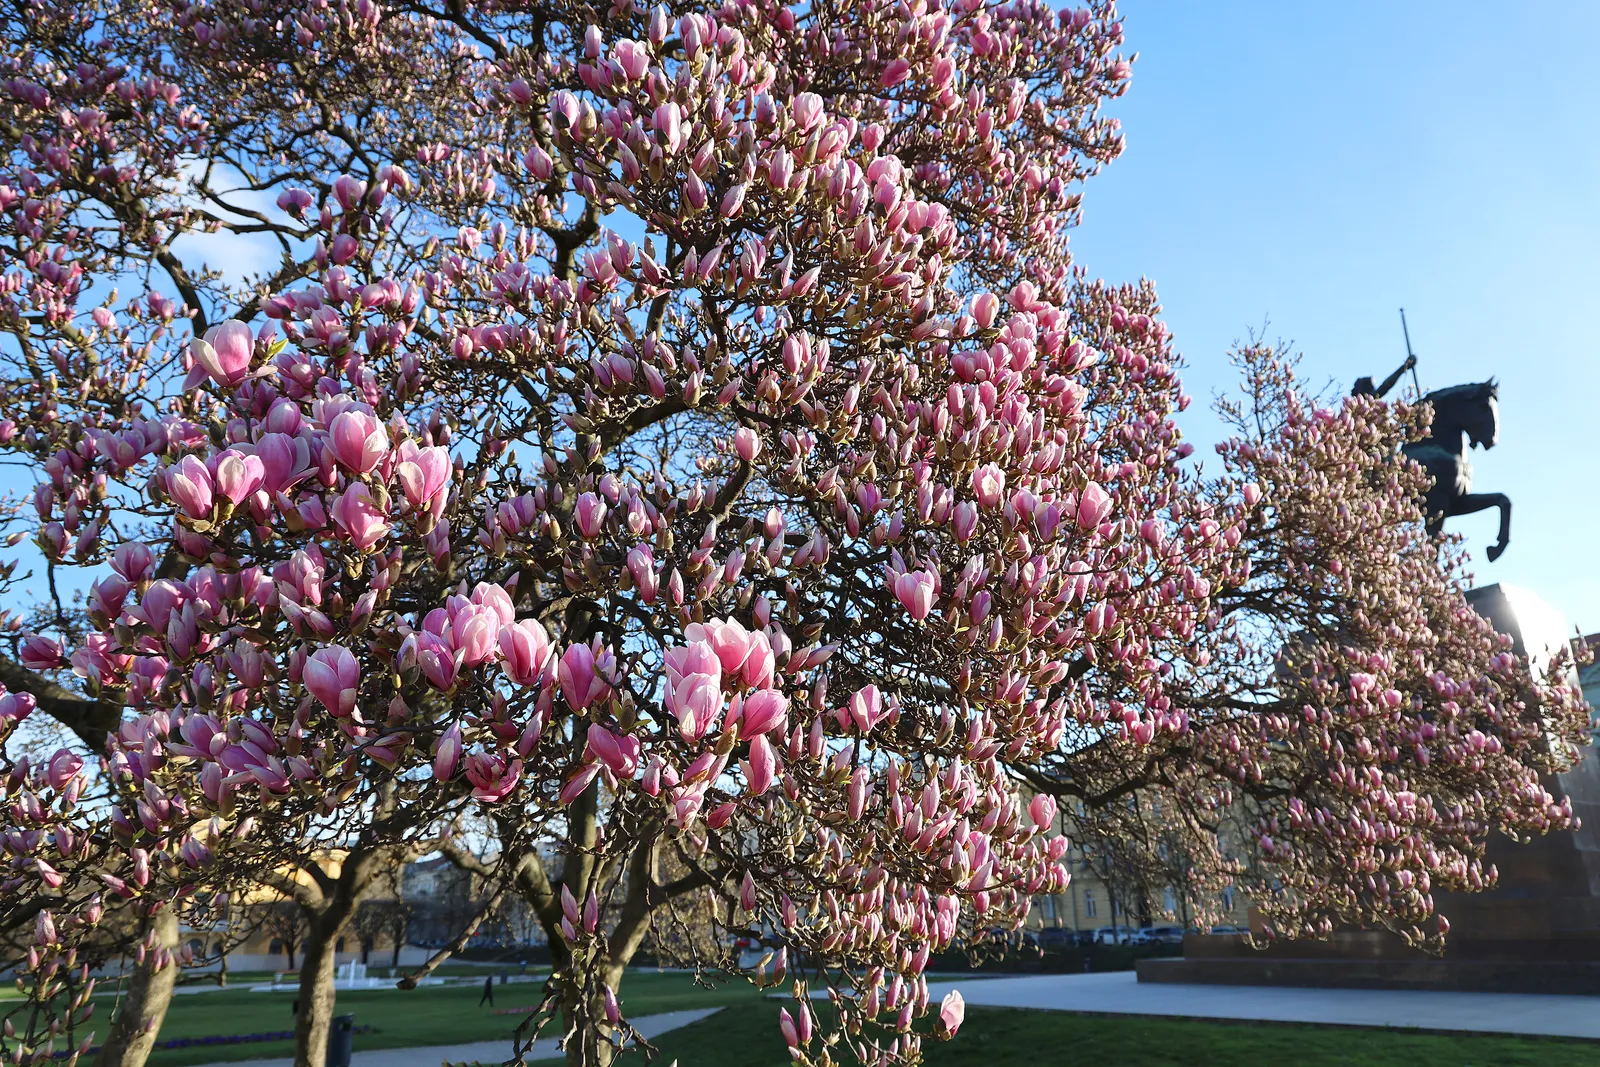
x=1464 y=417
x=1364 y=386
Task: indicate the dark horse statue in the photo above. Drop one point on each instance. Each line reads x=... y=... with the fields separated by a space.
x=1464 y=417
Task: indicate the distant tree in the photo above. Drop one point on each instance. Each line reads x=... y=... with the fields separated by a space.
x=1345 y=721
x=285 y=923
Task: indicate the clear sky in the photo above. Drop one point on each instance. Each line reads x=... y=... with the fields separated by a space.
x=1322 y=165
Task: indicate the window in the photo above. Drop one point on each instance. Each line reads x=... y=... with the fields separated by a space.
x=1227 y=898
x=197 y=946
x=1088 y=903
x=1048 y=907
x=276 y=946
x=1169 y=900
x=338 y=946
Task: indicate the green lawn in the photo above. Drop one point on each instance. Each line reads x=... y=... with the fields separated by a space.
x=747 y=1035
x=432 y=1015
x=996 y=1037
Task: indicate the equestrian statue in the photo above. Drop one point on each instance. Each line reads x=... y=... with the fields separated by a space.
x=1464 y=417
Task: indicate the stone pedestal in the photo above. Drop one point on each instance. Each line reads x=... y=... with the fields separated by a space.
x=1537 y=932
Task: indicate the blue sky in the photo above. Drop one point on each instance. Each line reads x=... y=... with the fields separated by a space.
x=1322 y=165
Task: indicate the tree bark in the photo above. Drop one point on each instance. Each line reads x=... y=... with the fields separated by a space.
x=138 y=1021
x=317 y=995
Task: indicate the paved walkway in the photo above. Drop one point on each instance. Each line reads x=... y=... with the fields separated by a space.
x=1119 y=993
x=482 y=1051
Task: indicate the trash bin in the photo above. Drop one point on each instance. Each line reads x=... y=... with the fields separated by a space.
x=341 y=1039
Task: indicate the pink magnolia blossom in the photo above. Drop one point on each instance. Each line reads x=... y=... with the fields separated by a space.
x=988 y=486
x=619 y=752
x=525 y=648
x=447 y=753
x=1042 y=810
x=492 y=776
x=359 y=517
x=423 y=473
x=746 y=443
x=763 y=711
x=1094 y=504
x=694 y=688
x=332 y=675
x=590 y=514
x=731 y=642
x=952 y=1010
x=189 y=484
x=359 y=440
x=225 y=352
x=761 y=768
x=579 y=676
x=238 y=475
x=914 y=590
x=40 y=653
x=63 y=767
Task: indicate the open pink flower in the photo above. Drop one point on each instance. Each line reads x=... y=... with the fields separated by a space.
x=728 y=638
x=360 y=519
x=225 y=352
x=952 y=1010
x=492 y=776
x=423 y=473
x=359 y=440
x=1094 y=504
x=40 y=653
x=190 y=487
x=238 y=475
x=526 y=649
x=988 y=486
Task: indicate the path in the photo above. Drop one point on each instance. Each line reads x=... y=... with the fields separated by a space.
x=483 y=1051
x=1119 y=993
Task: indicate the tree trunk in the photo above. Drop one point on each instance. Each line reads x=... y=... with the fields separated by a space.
x=394 y=956
x=133 y=1031
x=317 y=969
x=591 y=1047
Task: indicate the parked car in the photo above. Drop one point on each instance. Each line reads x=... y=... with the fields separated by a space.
x=1226 y=929
x=1114 y=935
x=1160 y=935
x=1062 y=937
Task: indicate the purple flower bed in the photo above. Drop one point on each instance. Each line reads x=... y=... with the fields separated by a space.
x=221 y=1039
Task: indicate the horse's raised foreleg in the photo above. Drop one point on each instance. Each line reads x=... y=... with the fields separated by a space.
x=1474 y=502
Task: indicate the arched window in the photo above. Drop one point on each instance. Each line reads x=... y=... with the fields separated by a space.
x=1089 y=908
x=338 y=946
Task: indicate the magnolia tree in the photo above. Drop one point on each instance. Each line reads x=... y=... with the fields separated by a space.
x=674 y=441
x=1355 y=731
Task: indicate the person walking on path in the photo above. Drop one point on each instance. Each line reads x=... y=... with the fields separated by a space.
x=488 y=992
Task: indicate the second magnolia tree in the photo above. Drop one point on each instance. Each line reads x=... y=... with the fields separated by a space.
x=684 y=443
